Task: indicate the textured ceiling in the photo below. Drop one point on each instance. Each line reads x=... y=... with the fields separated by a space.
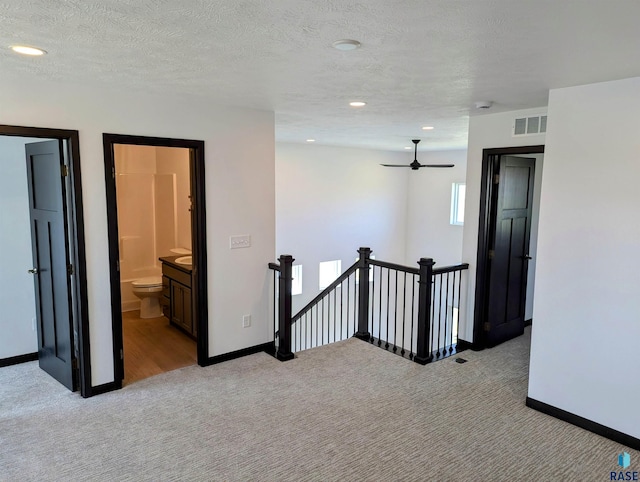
x=422 y=62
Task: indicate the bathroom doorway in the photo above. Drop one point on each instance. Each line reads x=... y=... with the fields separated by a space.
x=157 y=248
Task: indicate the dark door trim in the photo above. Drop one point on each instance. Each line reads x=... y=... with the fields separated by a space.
x=490 y=164
x=75 y=215
x=198 y=237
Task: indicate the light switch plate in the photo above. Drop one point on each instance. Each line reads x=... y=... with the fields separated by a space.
x=246 y=321
x=240 y=241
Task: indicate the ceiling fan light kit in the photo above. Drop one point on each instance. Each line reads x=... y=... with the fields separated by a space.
x=415 y=165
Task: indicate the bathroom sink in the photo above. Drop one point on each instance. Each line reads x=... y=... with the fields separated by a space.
x=184 y=260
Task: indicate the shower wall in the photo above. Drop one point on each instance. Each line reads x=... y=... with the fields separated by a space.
x=153 y=190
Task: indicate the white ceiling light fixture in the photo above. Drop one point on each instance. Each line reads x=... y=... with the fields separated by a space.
x=311 y=140
x=346 y=45
x=427 y=128
x=407 y=147
x=357 y=103
x=25 y=50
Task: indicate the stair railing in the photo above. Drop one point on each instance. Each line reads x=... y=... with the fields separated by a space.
x=375 y=301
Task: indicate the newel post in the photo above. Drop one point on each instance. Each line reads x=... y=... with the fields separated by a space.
x=363 y=294
x=284 y=308
x=423 y=353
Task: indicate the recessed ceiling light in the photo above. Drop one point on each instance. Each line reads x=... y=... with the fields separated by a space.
x=407 y=147
x=427 y=128
x=311 y=140
x=24 y=50
x=346 y=44
x=357 y=103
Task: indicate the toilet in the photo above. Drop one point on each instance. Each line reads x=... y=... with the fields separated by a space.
x=149 y=290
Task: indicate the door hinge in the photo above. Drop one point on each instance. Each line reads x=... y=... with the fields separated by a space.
x=121 y=354
x=486 y=326
x=118 y=265
x=74 y=363
x=113 y=172
x=70 y=269
x=492 y=253
x=64 y=170
x=496 y=178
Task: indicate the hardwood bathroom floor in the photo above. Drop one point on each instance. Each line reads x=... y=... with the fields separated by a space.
x=152 y=346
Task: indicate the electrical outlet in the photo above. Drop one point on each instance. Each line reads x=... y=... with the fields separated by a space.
x=246 y=321
x=240 y=241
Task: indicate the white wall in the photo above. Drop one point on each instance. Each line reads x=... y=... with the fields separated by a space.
x=239 y=189
x=584 y=348
x=17 y=298
x=485 y=132
x=429 y=232
x=331 y=201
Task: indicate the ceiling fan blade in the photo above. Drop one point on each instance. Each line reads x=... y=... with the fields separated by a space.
x=437 y=165
x=395 y=165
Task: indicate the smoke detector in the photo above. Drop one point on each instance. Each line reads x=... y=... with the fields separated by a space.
x=483 y=104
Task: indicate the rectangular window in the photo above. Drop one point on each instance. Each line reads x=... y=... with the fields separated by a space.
x=373 y=256
x=329 y=272
x=457 y=203
x=296 y=284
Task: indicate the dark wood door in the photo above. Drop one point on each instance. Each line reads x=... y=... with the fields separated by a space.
x=49 y=237
x=509 y=250
x=181 y=306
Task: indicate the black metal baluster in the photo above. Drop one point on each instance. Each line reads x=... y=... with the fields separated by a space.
x=446 y=312
x=317 y=325
x=413 y=297
x=453 y=296
x=395 y=316
x=335 y=318
x=439 y=316
x=321 y=322
x=355 y=306
x=380 y=311
x=372 y=305
x=275 y=304
x=386 y=345
x=348 y=301
x=458 y=320
x=329 y=318
x=404 y=309
x=433 y=312
x=341 y=307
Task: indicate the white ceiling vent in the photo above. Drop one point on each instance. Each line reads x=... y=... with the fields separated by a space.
x=528 y=126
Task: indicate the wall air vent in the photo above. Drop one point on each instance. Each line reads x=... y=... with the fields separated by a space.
x=528 y=126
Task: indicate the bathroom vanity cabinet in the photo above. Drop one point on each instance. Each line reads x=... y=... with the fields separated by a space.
x=176 y=298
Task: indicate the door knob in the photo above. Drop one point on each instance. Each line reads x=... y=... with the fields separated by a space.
x=526 y=256
x=33 y=271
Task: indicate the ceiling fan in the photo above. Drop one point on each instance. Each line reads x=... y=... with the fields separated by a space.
x=415 y=165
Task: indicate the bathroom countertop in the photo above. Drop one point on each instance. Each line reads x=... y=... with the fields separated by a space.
x=171 y=260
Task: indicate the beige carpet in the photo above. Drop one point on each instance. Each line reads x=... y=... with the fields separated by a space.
x=348 y=411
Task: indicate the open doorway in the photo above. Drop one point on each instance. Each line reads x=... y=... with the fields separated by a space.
x=43 y=275
x=157 y=246
x=507 y=234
